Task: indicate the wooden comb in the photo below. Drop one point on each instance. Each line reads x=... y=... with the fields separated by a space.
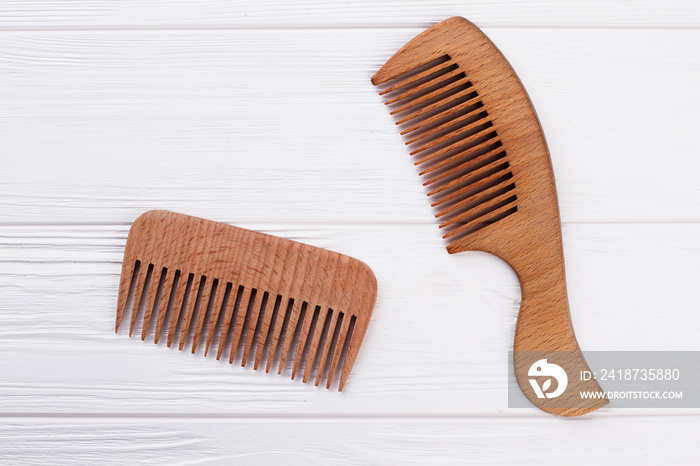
x=484 y=159
x=254 y=287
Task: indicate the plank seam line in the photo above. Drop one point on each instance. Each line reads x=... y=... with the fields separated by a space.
x=318 y=417
x=268 y=27
x=301 y=223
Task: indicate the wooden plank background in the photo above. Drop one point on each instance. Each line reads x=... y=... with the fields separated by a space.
x=261 y=114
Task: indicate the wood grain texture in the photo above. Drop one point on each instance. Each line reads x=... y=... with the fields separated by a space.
x=189 y=108
x=112 y=109
x=319 y=440
x=58 y=353
x=18 y=14
x=486 y=163
x=257 y=275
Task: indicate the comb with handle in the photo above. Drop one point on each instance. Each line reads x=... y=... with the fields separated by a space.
x=255 y=288
x=483 y=157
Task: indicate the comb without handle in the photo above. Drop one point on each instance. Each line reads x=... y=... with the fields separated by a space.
x=480 y=149
x=247 y=288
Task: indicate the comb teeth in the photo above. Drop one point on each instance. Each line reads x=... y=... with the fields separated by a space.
x=460 y=156
x=246 y=296
x=251 y=321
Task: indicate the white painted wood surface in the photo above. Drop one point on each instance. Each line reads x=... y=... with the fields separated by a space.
x=261 y=114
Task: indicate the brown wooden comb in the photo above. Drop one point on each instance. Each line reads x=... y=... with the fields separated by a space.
x=484 y=159
x=255 y=287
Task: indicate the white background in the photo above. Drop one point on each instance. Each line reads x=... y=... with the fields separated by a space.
x=261 y=114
